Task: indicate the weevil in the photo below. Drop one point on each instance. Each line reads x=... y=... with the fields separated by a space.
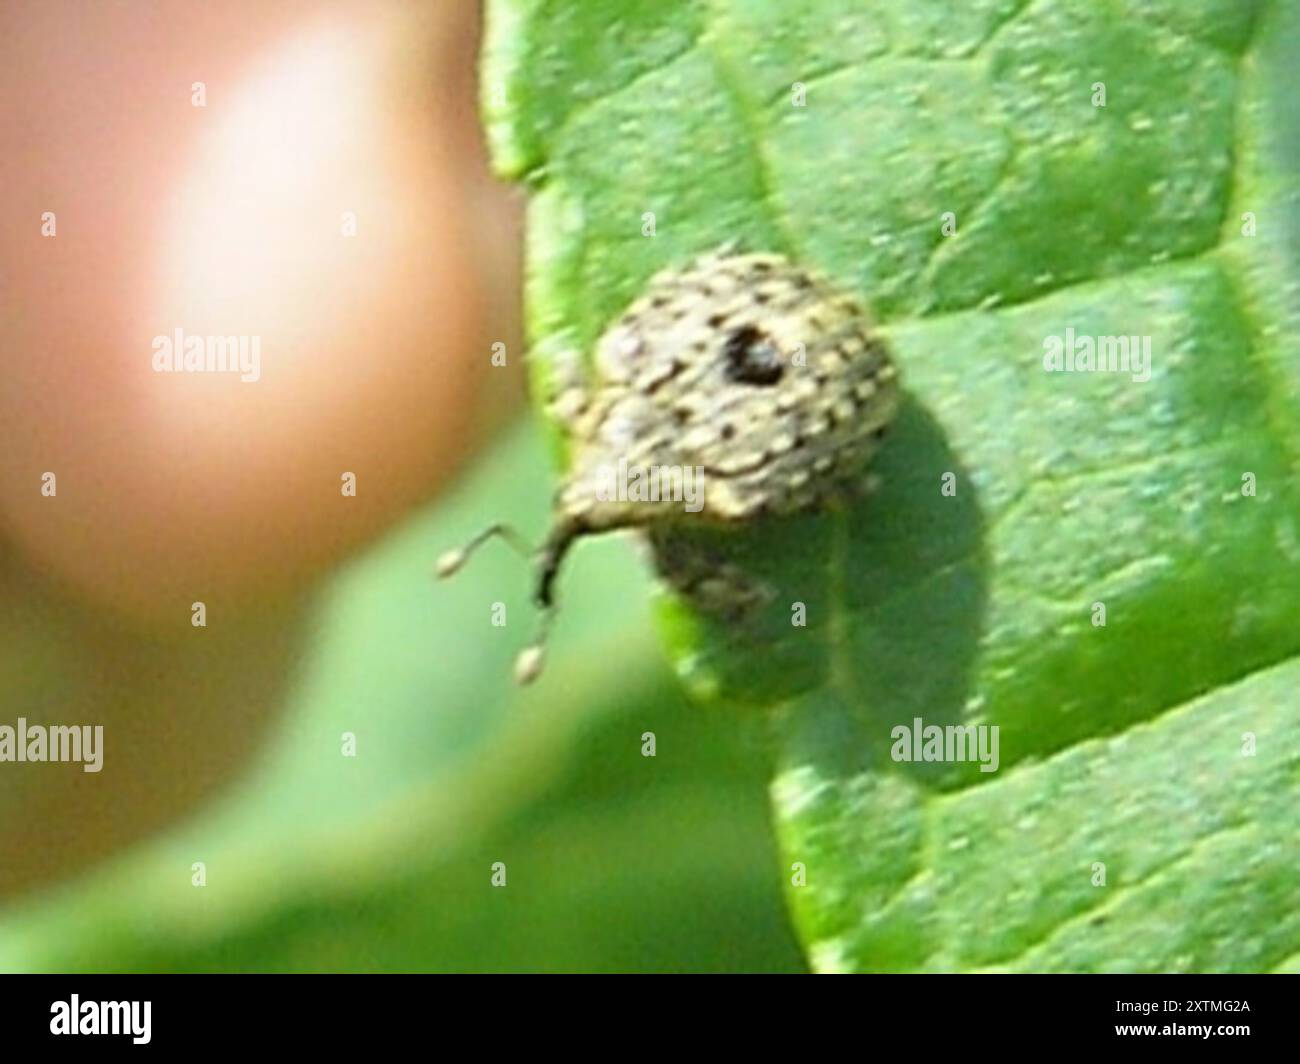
x=766 y=378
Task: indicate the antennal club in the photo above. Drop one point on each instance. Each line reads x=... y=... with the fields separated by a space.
x=530 y=661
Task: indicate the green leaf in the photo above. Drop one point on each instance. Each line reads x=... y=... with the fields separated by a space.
x=1120 y=745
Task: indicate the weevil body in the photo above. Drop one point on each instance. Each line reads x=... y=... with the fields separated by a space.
x=761 y=378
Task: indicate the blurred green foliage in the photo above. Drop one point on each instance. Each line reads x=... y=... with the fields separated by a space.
x=382 y=862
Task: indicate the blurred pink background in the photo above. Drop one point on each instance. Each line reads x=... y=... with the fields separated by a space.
x=223 y=219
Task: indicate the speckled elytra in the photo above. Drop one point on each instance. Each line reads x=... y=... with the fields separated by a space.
x=770 y=381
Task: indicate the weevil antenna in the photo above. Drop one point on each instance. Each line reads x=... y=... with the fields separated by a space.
x=530 y=660
x=453 y=560
x=529 y=663
x=551 y=556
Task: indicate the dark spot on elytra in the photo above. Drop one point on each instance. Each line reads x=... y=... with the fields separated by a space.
x=752 y=358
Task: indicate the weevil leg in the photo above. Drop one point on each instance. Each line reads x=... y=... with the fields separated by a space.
x=706 y=579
